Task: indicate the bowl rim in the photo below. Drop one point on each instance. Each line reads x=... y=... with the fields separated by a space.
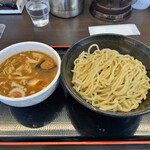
x=106 y=113
x=43 y=90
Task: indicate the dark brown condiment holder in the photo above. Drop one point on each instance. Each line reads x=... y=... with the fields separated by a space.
x=111 y=10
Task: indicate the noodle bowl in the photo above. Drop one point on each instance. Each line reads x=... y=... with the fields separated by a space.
x=110 y=81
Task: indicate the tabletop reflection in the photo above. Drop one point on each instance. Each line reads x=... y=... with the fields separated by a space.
x=91 y=124
x=41 y=114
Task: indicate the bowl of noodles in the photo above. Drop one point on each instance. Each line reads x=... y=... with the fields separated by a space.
x=29 y=73
x=109 y=74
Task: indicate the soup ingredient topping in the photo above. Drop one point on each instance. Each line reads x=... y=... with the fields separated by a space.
x=16 y=93
x=48 y=64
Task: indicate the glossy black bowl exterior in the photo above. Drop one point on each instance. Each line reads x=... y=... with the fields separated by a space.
x=124 y=45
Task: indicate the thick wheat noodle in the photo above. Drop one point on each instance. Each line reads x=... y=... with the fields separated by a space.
x=110 y=81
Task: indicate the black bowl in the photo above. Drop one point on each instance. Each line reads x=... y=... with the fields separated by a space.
x=124 y=45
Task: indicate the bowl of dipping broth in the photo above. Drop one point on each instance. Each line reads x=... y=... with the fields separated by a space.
x=29 y=73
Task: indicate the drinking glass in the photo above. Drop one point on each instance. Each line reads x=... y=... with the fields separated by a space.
x=38 y=11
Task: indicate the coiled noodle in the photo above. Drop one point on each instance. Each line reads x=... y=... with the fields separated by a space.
x=109 y=80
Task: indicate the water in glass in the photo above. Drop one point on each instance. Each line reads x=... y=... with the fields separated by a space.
x=39 y=13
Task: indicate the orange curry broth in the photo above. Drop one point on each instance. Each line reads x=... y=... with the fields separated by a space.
x=21 y=71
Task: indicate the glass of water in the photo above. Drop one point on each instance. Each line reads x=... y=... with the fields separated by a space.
x=38 y=11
